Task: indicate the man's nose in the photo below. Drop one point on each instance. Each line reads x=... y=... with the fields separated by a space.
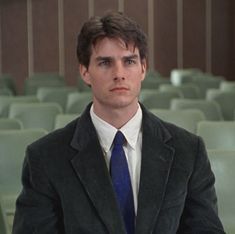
x=119 y=71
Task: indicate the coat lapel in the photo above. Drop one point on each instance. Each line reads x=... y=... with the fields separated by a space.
x=91 y=169
x=156 y=162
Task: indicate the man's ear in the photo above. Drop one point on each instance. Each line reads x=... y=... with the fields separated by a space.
x=85 y=75
x=144 y=68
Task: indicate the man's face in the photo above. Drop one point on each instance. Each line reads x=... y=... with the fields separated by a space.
x=115 y=74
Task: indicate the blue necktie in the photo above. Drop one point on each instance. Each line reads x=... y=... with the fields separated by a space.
x=122 y=183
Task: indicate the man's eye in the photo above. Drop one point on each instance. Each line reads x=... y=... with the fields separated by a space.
x=130 y=61
x=104 y=63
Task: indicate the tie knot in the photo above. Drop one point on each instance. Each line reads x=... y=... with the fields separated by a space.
x=119 y=138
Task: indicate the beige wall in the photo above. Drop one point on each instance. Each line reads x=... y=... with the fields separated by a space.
x=41 y=35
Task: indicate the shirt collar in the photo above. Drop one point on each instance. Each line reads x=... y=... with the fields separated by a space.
x=106 y=132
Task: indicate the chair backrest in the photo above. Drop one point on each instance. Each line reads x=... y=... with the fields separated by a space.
x=35 y=115
x=154 y=83
x=7 y=81
x=46 y=76
x=223 y=166
x=188 y=90
x=77 y=102
x=217 y=134
x=12 y=150
x=62 y=120
x=226 y=100
x=55 y=94
x=6 y=123
x=6 y=101
x=182 y=76
x=210 y=109
x=187 y=119
x=4 y=91
x=31 y=85
x=153 y=99
x=206 y=83
x=227 y=85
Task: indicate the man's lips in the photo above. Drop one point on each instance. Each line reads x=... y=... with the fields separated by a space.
x=119 y=89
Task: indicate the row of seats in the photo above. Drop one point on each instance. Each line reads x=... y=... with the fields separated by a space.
x=216 y=134
x=47 y=116
x=35 y=81
x=216 y=107
x=157 y=92
x=33 y=112
x=195 y=87
x=70 y=100
x=153 y=80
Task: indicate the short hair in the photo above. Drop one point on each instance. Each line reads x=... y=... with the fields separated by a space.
x=111 y=25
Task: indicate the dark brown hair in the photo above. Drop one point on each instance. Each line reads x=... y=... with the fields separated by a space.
x=112 y=25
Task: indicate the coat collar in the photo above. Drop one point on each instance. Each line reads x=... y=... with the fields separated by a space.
x=91 y=169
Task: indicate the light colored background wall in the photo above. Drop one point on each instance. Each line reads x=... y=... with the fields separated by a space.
x=40 y=36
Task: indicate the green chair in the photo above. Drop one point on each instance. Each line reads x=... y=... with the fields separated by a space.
x=154 y=83
x=206 y=84
x=152 y=74
x=46 y=76
x=226 y=100
x=227 y=86
x=7 y=81
x=154 y=99
x=12 y=150
x=62 y=120
x=35 y=115
x=55 y=94
x=5 y=91
x=182 y=76
x=223 y=166
x=31 y=85
x=188 y=90
x=210 y=109
x=187 y=119
x=77 y=102
x=217 y=134
x=6 y=101
x=6 y=123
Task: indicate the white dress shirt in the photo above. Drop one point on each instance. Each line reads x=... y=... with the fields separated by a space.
x=133 y=134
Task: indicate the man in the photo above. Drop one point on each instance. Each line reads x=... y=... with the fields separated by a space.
x=70 y=185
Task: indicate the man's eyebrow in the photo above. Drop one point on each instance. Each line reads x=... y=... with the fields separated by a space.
x=109 y=58
x=102 y=58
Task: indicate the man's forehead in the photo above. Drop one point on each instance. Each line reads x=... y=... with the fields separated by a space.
x=101 y=44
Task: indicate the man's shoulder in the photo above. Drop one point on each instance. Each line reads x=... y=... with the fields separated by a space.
x=56 y=139
x=177 y=134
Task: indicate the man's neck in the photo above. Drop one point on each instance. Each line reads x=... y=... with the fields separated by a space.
x=117 y=117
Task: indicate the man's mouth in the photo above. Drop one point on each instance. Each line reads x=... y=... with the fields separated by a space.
x=119 y=89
